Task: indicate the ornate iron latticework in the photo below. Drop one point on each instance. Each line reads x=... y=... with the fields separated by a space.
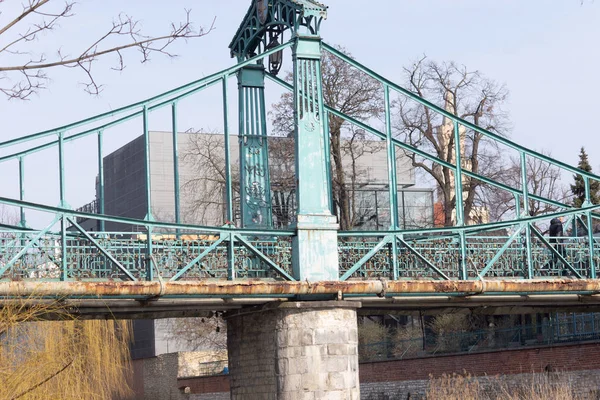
x=301 y=17
x=255 y=185
x=262 y=29
x=145 y=249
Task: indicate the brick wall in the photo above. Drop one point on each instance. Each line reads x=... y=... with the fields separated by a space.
x=557 y=358
x=396 y=379
x=584 y=384
x=206 y=384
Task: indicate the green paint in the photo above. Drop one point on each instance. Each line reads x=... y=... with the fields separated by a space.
x=255 y=184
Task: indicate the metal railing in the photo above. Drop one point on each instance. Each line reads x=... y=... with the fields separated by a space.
x=458 y=252
x=571 y=329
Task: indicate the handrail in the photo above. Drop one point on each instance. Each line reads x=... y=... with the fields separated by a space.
x=289 y=232
x=415 y=150
x=453 y=117
x=195 y=85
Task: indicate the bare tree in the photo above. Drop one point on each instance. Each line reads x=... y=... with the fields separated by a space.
x=205 y=155
x=351 y=92
x=199 y=333
x=24 y=71
x=468 y=95
x=543 y=180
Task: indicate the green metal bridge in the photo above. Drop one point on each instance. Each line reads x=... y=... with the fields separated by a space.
x=225 y=266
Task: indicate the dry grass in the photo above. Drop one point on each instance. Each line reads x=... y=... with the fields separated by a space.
x=530 y=387
x=372 y=337
x=408 y=341
x=65 y=359
x=448 y=329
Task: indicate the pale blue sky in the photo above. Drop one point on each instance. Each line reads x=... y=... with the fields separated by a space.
x=545 y=51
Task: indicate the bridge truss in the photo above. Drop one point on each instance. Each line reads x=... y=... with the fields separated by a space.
x=152 y=258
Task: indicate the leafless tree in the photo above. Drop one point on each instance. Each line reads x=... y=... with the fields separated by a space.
x=468 y=95
x=204 y=156
x=24 y=70
x=353 y=93
x=199 y=333
x=543 y=179
x=8 y=217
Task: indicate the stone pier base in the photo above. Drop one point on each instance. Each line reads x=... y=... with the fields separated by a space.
x=294 y=350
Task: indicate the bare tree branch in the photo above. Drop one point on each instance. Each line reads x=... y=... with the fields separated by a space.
x=26 y=77
x=468 y=95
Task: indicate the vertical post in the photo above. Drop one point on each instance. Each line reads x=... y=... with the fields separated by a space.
x=61 y=169
x=328 y=160
x=458 y=202
x=149 y=250
x=228 y=192
x=63 y=239
x=315 y=248
x=175 y=162
x=255 y=184
x=525 y=189
x=392 y=179
x=590 y=230
x=63 y=204
x=231 y=257
x=149 y=216
x=101 y=179
x=391 y=162
x=22 y=222
x=228 y=189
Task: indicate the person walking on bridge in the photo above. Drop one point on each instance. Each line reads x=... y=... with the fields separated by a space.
x=556 y=233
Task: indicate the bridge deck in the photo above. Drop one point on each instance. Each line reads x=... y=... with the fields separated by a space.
x=179 y=299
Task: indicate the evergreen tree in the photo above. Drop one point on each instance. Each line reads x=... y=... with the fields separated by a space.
x=578 y=189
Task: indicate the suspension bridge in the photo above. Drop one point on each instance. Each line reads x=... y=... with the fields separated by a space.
x=508 y=259
x=150 y=267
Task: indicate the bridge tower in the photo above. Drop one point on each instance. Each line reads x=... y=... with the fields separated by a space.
x=263 y=28
x=297 y=349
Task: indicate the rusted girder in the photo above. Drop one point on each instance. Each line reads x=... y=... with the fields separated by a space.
x=289 y=289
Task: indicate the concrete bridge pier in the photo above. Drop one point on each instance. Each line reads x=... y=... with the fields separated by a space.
x=294 y=350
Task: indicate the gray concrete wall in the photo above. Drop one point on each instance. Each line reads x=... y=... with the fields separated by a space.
x=124 y=182
x=125 y=189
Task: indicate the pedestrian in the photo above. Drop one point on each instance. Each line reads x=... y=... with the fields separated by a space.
x=556 y=233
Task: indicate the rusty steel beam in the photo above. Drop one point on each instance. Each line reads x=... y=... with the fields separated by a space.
x=242 y=289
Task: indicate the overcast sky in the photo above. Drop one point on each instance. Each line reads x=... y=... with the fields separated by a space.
x=545 y=51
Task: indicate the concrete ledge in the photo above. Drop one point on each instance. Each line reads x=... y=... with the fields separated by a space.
x=296 y=305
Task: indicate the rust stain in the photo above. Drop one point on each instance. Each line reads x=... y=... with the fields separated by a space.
x=254 y=288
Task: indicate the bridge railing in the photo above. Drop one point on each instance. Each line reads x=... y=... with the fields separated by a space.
x=177 y=252
x=64 y=249
x=555 y=331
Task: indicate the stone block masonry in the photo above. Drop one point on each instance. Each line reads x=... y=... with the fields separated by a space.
x=295 y=350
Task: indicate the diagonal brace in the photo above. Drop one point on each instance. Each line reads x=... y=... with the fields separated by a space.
x=28 y=246
x=264 y=258
x=366 y=257
x=420 y=257
x=500 y=252
x=554 y=251
x=102 y=250
x=199 y=258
